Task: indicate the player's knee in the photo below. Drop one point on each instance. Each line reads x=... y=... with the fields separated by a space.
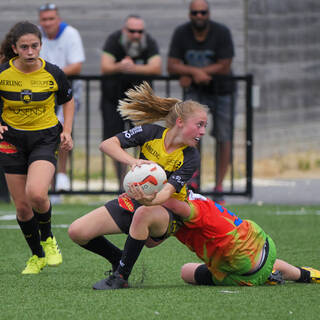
x=187 y=273
x=73 y=232
x=77 y=233
x=37 y=199
x=142 y=216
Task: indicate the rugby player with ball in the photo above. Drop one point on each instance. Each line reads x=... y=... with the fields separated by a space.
x=174 y=148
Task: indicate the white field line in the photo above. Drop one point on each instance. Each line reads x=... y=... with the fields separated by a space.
x=16 y=227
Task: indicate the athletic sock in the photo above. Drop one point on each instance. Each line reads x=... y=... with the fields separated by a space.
x=30 y=230
x=44 y=221
x=131 y=252
x=305 y=276
x=104 y=248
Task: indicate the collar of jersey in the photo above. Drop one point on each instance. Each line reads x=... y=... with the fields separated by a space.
x=62 y=26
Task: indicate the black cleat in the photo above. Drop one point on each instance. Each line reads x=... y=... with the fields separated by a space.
x=114 y=281
x=275 y=278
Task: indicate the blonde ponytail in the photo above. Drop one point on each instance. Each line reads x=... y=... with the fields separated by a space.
x=143 y=106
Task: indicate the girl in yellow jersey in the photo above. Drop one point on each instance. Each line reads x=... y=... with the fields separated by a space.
x=30 y=134
x=174 y=148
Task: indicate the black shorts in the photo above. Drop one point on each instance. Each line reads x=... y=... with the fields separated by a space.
x=19 y=148
x=123 y=217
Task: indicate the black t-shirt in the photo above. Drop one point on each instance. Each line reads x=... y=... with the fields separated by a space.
x=217 y=45
x=114 y=89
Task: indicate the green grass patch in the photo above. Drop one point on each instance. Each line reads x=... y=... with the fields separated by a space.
x=157 y=291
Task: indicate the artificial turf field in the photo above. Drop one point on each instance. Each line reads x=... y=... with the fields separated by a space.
x=157 y=291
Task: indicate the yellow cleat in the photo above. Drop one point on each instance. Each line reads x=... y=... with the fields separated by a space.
x=314 y=274
x=35 y=265
x=52 y=251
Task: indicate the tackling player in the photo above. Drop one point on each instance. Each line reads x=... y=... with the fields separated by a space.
x=234 y=251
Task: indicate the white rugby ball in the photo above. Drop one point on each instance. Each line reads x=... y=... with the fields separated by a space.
x=150 y=176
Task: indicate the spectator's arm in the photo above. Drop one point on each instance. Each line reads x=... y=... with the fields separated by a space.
x=73 y=68
x=222 y=66
x=108 y=64
x=152 y=67
x=126 y=65
x=176 y=66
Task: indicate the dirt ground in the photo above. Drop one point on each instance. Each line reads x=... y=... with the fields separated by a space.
x=298 y=165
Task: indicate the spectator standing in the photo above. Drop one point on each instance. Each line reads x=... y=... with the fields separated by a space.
x=62 y=45
x=198 y=50
x=130 y=50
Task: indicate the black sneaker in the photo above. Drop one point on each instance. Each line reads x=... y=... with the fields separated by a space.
x=275 y=278
x=114 y=281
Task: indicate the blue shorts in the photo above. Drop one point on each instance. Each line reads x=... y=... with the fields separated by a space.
x=222 y=109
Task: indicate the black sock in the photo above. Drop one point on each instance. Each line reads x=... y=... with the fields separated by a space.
x=30 y=230
x=131 y=252
x=44 y=220
x=305 y=276
x=106 y=249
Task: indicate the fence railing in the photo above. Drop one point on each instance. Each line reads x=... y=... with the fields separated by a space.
x=97 y=180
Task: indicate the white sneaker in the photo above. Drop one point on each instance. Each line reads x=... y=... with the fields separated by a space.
x=62 y=182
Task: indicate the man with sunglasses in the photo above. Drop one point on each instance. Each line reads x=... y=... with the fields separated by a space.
x=200 y=49
x=129 y=51
x=61 y=45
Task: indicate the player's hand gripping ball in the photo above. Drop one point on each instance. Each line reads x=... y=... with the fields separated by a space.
x=150 y=176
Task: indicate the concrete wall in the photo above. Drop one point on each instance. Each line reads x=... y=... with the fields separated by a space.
x=284 y=50
x=277 y=41
x=283 y=53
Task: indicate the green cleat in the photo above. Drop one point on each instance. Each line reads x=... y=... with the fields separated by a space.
x=314 y=274
x=35 y=265
x=52 y=251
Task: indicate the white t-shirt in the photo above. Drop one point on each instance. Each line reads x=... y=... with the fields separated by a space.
x=66 y=49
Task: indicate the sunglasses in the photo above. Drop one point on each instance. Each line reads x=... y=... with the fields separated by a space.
x=48 y=6
x=202 y=12
x=135 y=31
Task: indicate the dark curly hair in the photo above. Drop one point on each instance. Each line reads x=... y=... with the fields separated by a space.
x=16 y=32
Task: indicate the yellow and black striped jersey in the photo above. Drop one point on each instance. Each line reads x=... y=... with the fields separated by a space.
x=179 y=164
x=28 y=100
